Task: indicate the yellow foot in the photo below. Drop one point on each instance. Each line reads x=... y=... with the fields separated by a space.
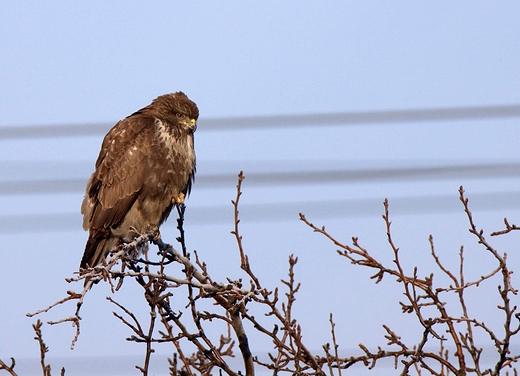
x=155 y=230
x=178 y=199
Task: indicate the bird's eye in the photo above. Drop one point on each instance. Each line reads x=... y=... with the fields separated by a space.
x=180 y=116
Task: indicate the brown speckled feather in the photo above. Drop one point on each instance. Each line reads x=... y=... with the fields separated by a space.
x=146 y=164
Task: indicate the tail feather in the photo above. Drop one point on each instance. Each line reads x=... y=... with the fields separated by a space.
x=97 y=248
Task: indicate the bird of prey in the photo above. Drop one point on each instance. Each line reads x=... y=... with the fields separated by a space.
x=146 y=166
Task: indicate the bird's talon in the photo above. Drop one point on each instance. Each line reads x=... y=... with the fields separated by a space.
x=133 y=230
x=178 y=199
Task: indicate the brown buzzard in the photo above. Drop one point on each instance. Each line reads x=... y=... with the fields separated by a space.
x=146 y=166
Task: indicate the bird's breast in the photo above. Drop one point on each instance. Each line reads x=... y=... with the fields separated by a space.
x=176 y=157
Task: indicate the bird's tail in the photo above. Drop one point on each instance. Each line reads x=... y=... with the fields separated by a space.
x=99 y=244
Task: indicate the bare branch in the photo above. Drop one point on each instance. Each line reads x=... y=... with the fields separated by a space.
x=10 y=368
x=448 y=323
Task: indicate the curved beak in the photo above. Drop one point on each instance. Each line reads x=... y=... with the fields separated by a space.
x=193 y=125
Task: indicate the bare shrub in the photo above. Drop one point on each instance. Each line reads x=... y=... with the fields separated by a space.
x=444 y=324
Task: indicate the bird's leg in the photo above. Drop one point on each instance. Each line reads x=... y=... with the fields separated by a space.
x=153 y=232
x=133 y=231
x=178 y=198
x=155 y=237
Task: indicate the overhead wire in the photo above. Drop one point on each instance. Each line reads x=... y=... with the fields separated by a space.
x=284 y=211
x=303 y=177
x=283 y=121
x=260 y=212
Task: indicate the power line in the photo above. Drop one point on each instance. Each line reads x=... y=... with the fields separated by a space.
x=211 y=181
x=282 y=121
x=284 y=211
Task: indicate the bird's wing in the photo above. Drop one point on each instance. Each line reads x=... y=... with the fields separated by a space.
x=126 y=153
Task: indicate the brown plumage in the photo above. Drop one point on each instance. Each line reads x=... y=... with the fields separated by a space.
x=146 y=165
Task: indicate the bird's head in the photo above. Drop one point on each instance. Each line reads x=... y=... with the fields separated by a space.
x=178 y=109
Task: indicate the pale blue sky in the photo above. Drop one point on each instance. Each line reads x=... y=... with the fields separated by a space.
x=91 y=62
